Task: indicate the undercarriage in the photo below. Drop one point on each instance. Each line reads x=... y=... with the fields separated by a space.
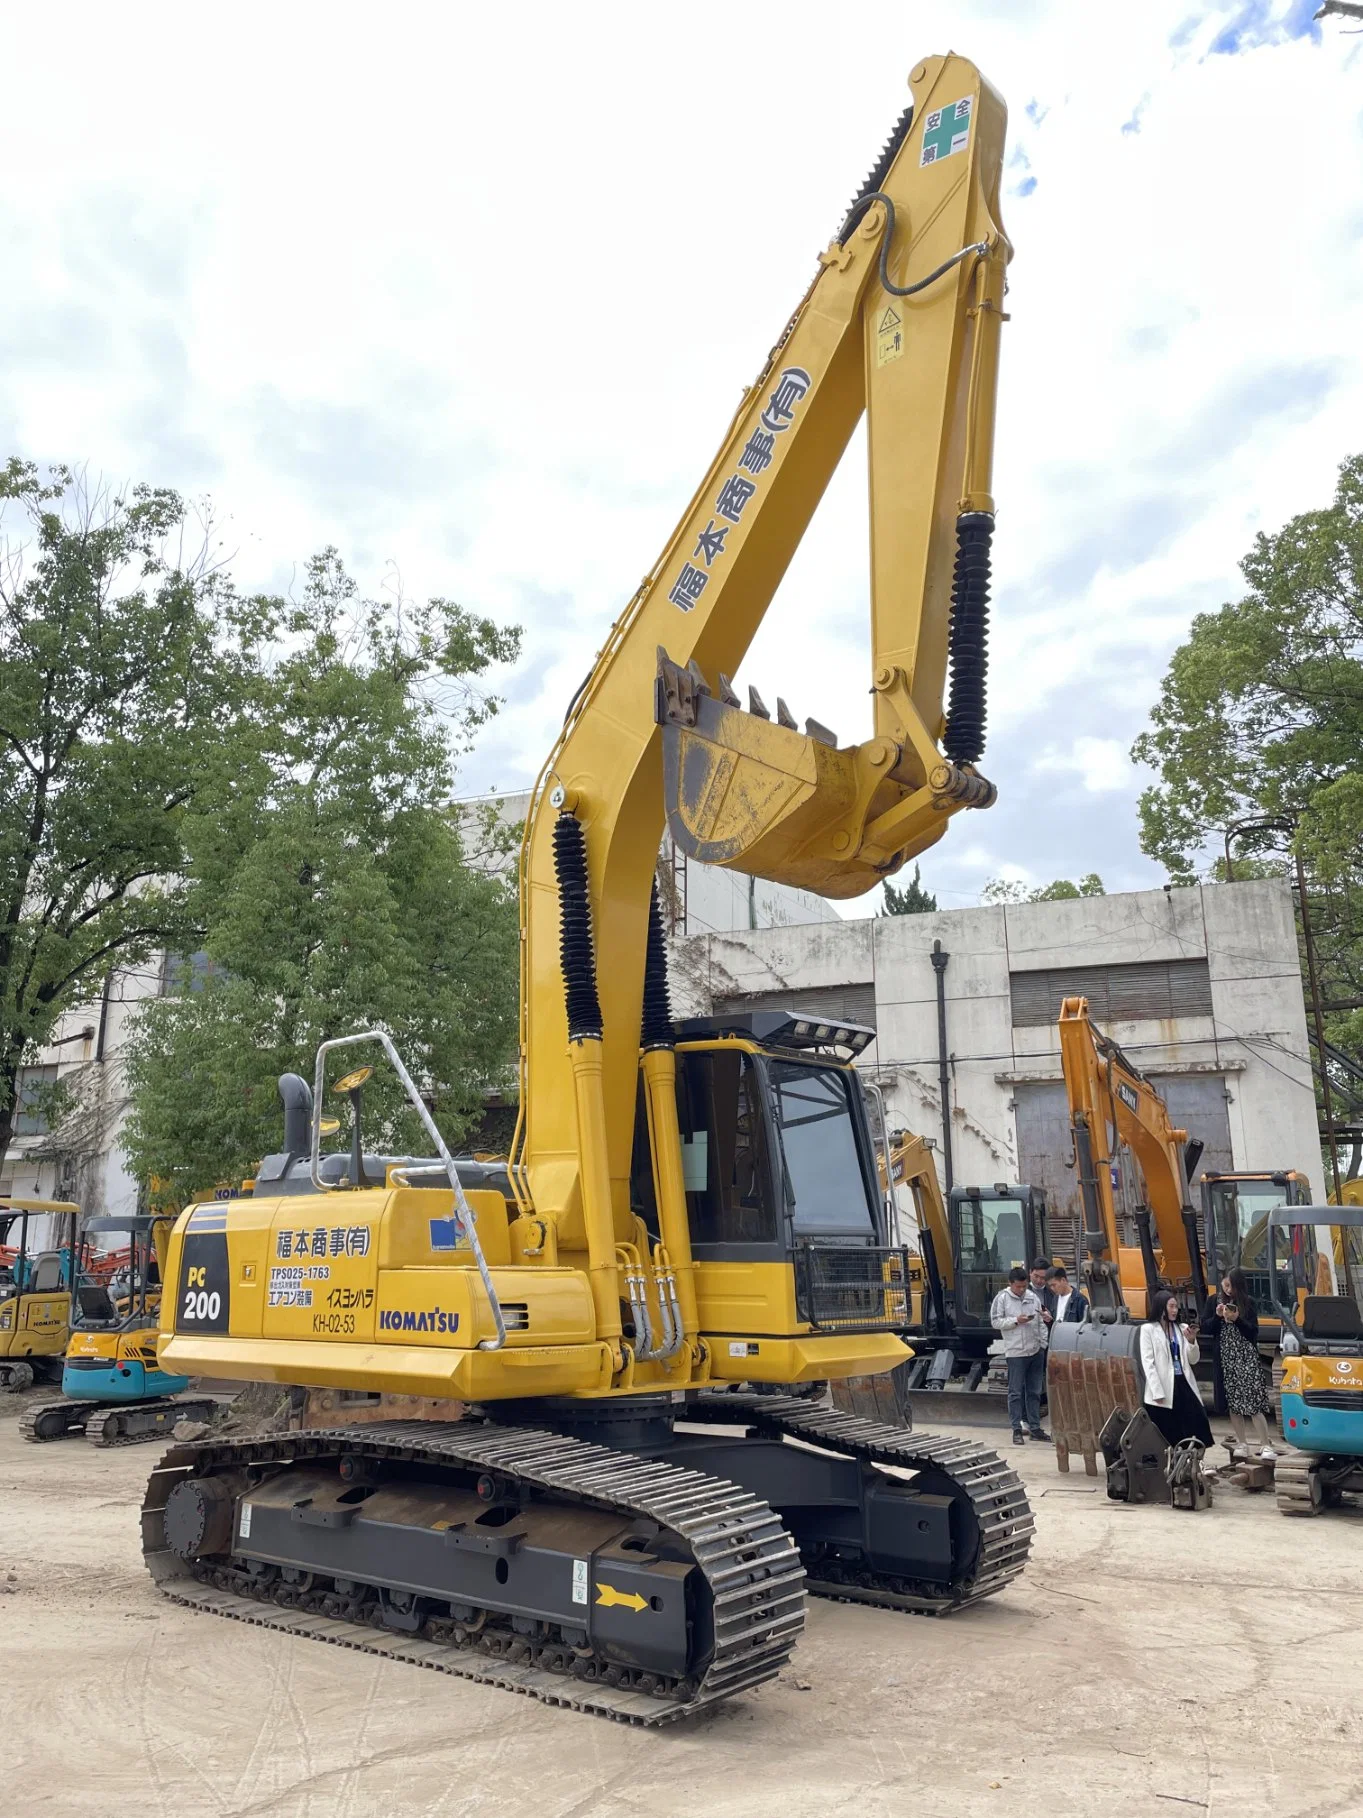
x=645 y=1578
x=104 y=1423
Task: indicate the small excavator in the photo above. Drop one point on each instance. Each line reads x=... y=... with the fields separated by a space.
x=962 y=1250
x=639 y=1497
x=114 y=1390
x=1321 y=1396
x=967 y=1242
x=35 y=1290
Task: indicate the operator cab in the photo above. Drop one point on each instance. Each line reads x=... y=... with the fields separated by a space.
x=1235 y=1213
x=779 y=1163
x=993 y=1229
x=1313 y=1318
x=130 y=1297
x=25 y=1267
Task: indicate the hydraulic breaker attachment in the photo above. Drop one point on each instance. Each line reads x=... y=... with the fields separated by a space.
x=1093 y=1371
x=1136 y=1457
x=759 y=795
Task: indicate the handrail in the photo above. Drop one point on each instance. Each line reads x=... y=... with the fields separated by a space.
x=463 y=1210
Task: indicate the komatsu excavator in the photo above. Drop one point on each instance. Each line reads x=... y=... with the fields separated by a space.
x=35 y=1289
x=621 y=1524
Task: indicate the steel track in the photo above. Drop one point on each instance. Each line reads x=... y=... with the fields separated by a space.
x=993 y=1491
x=744 y=1552
x=92 y=1419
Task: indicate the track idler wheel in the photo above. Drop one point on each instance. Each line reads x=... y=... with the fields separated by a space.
x=16 y=1377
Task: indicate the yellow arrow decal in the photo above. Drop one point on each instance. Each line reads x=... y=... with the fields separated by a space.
x=629 y=1600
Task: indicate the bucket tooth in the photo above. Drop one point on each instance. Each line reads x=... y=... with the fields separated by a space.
x=815 y=729
x=757 y=705
x=697 y=675
x=785 y=716
x=726 y=691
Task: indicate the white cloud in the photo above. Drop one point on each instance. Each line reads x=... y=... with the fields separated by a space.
x=1102 y=765
x=476 y=290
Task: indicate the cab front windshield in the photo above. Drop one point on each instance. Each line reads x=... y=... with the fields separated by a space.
x=1240 y=1212
x=826 y=1177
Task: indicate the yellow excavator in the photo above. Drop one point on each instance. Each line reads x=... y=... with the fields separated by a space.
x=630 y=1515
x=966 y=1242
x=35 y=1289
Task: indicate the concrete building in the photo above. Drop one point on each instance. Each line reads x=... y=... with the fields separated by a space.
x=1200 y=987
x=78 y=1157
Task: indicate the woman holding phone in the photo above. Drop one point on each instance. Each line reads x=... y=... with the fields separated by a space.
x=1168 y=1354
x=1236 y=1331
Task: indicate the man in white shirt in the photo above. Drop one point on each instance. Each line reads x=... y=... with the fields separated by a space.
x=1062 y=1303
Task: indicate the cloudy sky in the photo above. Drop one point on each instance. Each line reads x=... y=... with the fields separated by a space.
x=471 y=293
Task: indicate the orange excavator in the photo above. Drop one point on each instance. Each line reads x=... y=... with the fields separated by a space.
x=1094 y=1369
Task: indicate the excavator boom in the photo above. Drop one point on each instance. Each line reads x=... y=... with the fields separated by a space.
x=901 y=322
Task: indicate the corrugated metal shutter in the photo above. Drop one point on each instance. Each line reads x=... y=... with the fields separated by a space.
x=843 y=1003
x=1044 y=1147
x=1197 y=1104
x=1145 y=990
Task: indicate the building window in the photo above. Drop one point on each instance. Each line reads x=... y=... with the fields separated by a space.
x=30 y=1110
x=1146 y=991
x=182 y=975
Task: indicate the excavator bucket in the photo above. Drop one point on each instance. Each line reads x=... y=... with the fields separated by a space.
x=1092 y=1373
x=879 y=1398
x=758 y=794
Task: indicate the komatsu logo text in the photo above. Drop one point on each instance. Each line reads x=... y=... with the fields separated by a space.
x=437 y=1320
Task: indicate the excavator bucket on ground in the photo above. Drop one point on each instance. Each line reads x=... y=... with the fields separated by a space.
x=1093 y=1372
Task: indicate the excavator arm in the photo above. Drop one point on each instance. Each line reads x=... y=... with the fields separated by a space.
x=1112 y=1104
x=901 y=322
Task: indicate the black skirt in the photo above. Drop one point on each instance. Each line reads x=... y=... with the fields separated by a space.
x=1187 y=1419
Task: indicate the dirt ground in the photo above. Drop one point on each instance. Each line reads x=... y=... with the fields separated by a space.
x=1149 y=1661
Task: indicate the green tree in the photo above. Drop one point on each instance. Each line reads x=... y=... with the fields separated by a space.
x=127 y=666
x=1261 y=712
x=1003 y=890
x=335 y=895
x=1260 y=720
x=908 y=899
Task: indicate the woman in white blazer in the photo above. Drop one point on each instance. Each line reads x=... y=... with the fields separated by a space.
x=1168 y=1354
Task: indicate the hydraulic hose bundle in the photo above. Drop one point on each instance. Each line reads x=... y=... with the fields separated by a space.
x=968 y=639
